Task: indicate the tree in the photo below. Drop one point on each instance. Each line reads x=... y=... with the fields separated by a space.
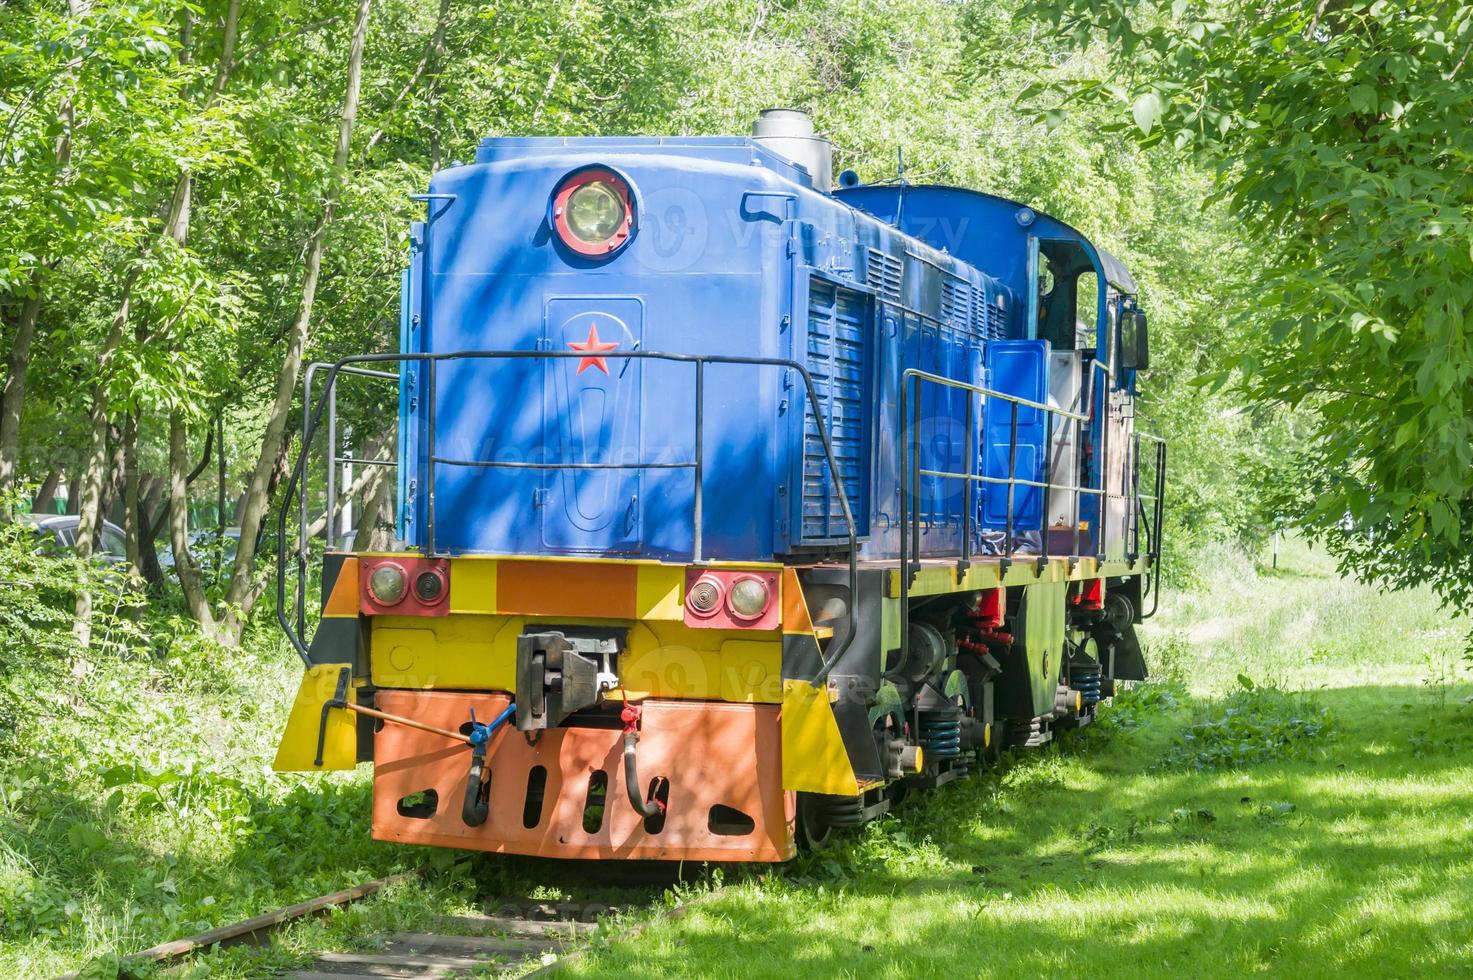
x=243 y=585
x=1338 y=130
x=67 y=173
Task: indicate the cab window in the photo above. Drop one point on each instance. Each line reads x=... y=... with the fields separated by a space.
x=1086 y=309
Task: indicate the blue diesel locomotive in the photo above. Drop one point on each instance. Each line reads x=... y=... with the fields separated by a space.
x=730 y=504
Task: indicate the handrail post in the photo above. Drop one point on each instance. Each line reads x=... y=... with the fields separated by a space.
x=1041 y=562
x=1104 y=547
x=303 y=515
x=1078 y=453
x=696 y=500
x=1007 y=556
x=969 y=459
x=905 y=502
x=1135 y=493
x=332 y=461
x=915 y=462
x=430 y=398
x=1159 y=531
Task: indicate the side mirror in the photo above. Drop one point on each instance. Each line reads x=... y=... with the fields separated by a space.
x=1135 y=350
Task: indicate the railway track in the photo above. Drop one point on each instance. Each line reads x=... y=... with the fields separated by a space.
x=509 y=933
x=515 y=932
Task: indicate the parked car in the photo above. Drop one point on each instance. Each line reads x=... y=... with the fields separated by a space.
x=214 y=555
x=60 y=530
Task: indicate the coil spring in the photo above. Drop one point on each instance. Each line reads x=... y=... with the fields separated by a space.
x=1087 y=683
x=844 y=811
x=941 y=736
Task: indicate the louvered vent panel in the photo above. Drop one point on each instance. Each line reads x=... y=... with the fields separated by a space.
x=883 y=273
x=989 y=321
x=956 y=304
x=997 y=320
x=836 y=360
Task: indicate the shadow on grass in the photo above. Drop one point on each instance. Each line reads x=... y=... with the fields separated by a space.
x=159 y=863
x=1355 y=860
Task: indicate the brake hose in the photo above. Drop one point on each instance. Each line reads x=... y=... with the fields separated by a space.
x=644 y=807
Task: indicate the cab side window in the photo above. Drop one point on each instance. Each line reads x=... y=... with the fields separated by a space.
x=1086 y=310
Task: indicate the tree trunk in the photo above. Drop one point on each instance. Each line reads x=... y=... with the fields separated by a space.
x=242 y=592
x=427 y=61
x=18 y=363
x=117 y=472
x=151 y=495
x=185 y=567
x=132 y=526
x=46 y=495
x=176 y=228
x=94 y=464
x=368 y=536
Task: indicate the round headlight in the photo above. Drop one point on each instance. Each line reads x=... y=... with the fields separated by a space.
x=387 y=584
x=595 y=212
x=748 y=599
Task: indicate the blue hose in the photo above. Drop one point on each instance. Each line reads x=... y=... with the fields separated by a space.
x=477 y=804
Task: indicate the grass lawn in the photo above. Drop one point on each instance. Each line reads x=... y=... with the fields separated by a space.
x=1316 y=823
x=1312 y=833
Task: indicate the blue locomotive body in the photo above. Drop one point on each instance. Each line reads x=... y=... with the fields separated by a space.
x=733 y=254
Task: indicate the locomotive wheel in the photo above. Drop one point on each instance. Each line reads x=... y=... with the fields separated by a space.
x=815 y=832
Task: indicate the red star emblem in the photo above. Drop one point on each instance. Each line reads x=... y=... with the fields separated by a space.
x=592 y=347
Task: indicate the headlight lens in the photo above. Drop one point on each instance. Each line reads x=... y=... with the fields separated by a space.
x=429 y=587
x=595 y=212
x=387 y=584
x=748 y=598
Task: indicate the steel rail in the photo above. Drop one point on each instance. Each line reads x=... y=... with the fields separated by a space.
x=248 y=928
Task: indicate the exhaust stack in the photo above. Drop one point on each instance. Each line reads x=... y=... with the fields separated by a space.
x=789 y=134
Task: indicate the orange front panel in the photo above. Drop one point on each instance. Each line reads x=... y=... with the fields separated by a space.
x=713 y=754
x=343 y=599
x=545 y=588
x=795 y=608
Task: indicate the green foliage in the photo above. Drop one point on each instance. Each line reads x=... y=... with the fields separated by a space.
x=137 y=804
x=1250 y=726
x=1328 y=128
x=38 y=585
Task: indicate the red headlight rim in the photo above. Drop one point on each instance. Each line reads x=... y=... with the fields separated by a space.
x=734 y=612
x=578 y=178
x=408 y=585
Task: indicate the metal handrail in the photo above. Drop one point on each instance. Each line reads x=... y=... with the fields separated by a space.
x=296 y=482
x=1157 y=526
x=989 y=392
x=332 y=449
x=910 y=549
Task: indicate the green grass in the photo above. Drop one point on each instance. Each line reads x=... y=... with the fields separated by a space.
x=1320 y=822
x=1129 y=851
x=137 y=804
